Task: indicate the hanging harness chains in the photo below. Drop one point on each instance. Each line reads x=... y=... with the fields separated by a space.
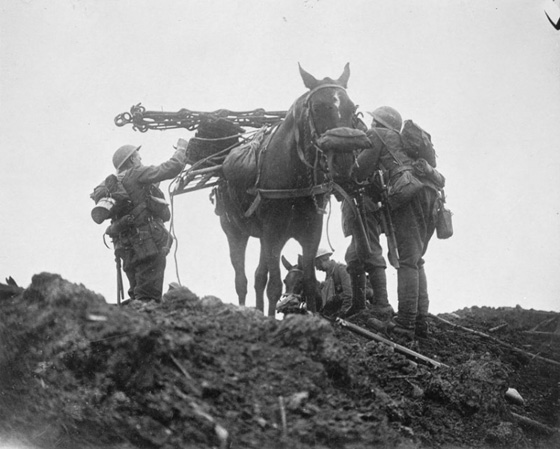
x=143 y=120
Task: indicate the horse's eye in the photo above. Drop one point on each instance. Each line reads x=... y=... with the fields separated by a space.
x=318 y=107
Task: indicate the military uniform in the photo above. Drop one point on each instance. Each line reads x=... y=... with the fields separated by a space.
x=144 y=245
x=414 y=224
x=336 y=290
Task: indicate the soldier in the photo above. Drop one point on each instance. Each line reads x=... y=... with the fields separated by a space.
x=137 y=218
x=336 y=290
x=413 y=218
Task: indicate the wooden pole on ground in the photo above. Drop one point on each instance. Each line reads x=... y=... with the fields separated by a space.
x=402 y=349
x=495 y=340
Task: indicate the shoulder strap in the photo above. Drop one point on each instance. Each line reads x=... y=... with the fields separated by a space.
x=140 y=212
x=393 y=155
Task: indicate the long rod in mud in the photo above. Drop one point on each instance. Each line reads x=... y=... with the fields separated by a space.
x=399 y=348
x=495 y=340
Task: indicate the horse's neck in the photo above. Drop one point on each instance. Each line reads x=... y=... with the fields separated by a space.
x=282 y=168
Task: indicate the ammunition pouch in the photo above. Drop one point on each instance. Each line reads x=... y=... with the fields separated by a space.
x=425 y=171
x=122 y=225
x=143 y=244
x=403 y=186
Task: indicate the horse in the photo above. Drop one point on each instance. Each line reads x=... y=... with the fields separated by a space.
x=296 y=178
x=293 y=181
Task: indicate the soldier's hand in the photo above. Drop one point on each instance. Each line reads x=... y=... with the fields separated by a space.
x=182 y=144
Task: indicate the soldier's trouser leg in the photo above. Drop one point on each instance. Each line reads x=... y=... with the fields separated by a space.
x=411 y=230
x=407 y=289
x=423 y=298
x=414 y=226
x=358 y=280
x=149 y=279
x=130 y=272
x=378 y=280
x=381 y=307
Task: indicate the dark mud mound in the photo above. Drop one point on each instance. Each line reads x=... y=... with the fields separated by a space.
x=76 y=372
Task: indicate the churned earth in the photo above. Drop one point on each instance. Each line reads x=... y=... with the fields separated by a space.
x=76 y=372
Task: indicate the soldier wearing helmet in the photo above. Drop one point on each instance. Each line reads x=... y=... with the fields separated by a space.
x=387 y=117
x=374 y=264
x=413 y=220
x=137 y=227
x=336 y=289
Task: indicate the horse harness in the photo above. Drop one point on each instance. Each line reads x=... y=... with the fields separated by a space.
x=315 y=188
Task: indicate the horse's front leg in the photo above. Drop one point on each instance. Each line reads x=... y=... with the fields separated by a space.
x=310 y=243
x=272 y=244
x=274 y=286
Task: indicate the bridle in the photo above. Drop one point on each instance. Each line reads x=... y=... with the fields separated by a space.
x=309 y=119
x=287 y=299
x=319 y=161
x=305 y=136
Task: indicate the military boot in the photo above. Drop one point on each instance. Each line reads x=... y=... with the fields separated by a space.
x=405 y=320
x=402 y=329
x=358 y=294
x=380 y=302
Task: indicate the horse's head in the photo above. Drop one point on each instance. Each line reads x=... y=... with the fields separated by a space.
x=291 y=300
x=328 y=109
x=327 y=102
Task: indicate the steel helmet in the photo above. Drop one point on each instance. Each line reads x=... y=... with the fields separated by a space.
x=123 y=153
x=323 y=252
x=388 y=117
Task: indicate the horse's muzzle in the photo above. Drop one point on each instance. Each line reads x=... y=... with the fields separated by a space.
x=289 y=302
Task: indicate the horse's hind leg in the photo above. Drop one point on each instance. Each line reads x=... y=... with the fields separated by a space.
x=237 y=248
x=272 y=248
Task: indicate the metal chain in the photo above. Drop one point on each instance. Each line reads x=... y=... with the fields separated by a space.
x=142 y=120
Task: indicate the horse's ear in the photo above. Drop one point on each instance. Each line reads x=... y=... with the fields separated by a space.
x=287 y=265
x=308 y=80
x=343 y=80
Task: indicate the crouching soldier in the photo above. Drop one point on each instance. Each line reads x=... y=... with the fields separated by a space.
x=336 y=289
x=137 y=214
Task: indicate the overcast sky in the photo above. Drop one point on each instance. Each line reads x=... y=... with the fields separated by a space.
x=483 y=77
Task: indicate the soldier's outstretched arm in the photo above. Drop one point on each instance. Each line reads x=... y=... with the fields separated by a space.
x=167 y=170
